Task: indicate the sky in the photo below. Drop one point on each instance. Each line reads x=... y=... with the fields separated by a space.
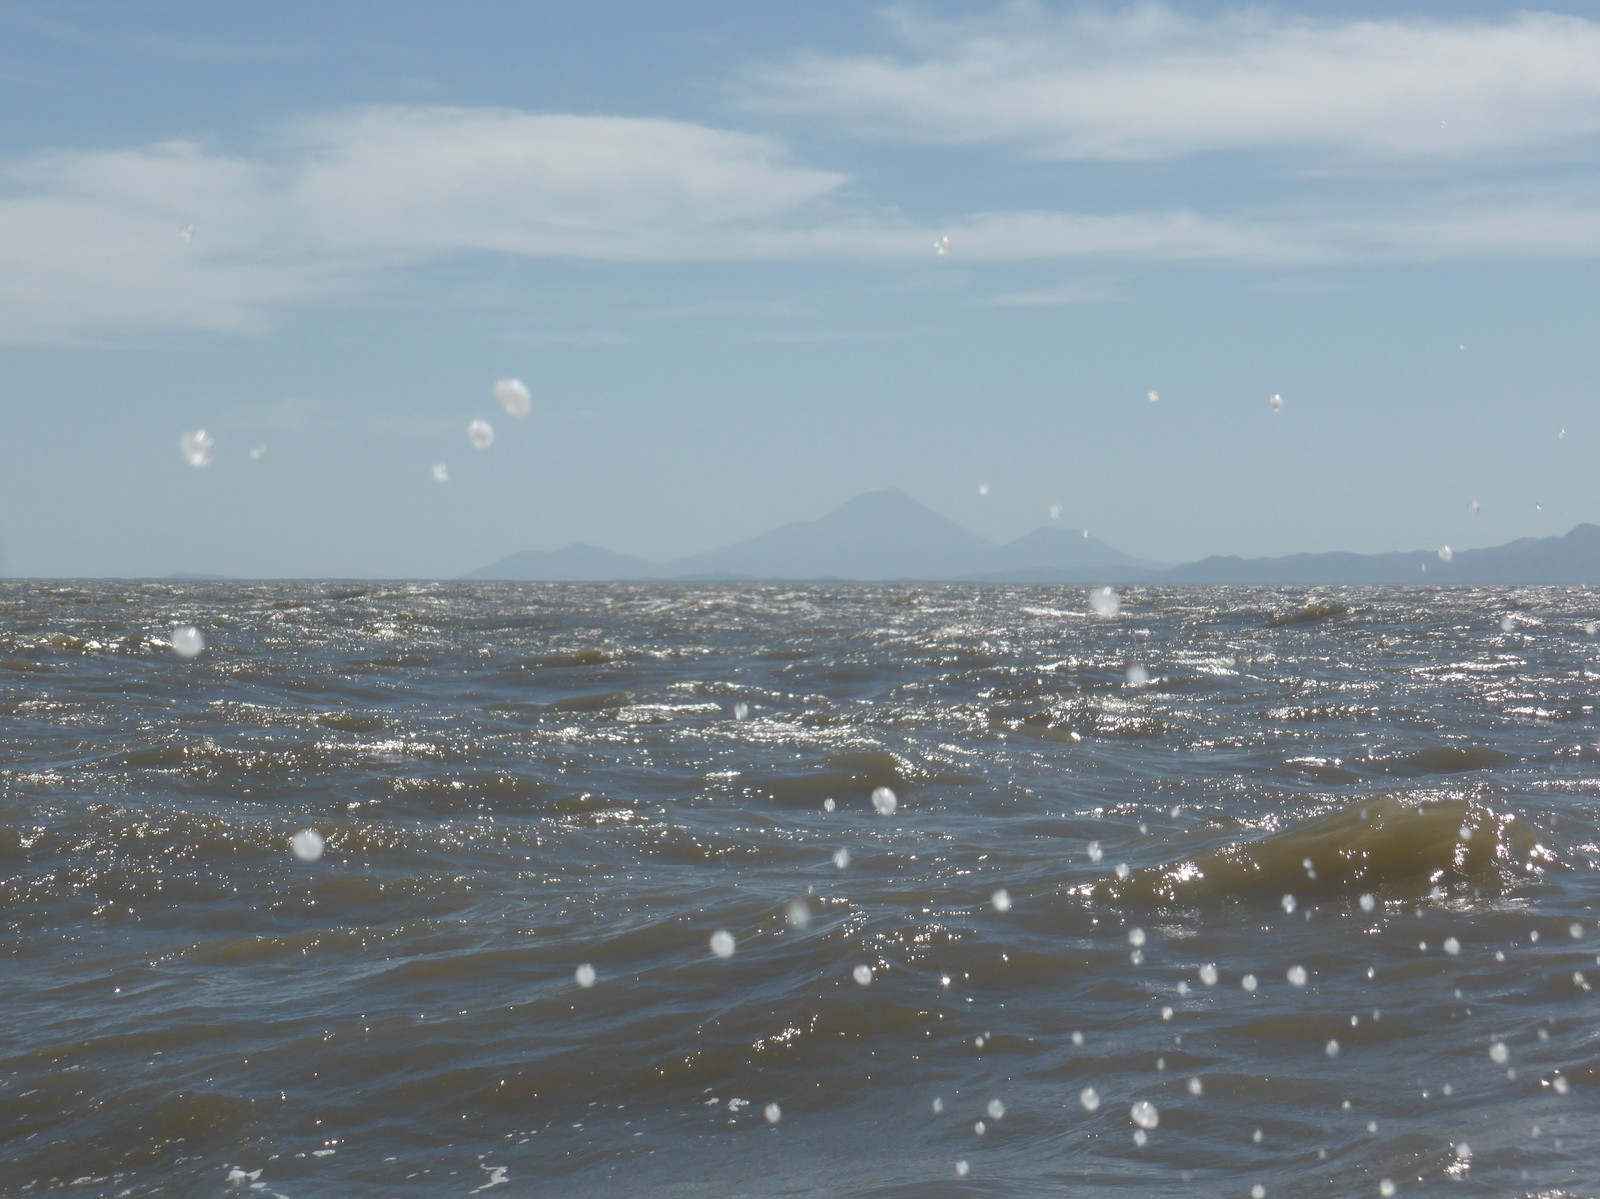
x=707 y=237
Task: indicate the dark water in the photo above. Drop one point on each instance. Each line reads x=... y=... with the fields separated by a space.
x=516 y=782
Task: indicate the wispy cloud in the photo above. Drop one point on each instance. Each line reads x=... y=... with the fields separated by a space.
x=1058 y=296
x=1148 y=82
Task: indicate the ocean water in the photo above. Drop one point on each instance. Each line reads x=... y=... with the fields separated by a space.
x=1226 y=892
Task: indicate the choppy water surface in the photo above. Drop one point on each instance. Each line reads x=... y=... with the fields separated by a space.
x=1311 y=910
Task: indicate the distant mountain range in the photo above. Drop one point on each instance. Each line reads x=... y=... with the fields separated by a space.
x=886 y=536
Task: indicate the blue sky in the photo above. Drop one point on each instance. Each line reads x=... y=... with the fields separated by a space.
x=704 y=236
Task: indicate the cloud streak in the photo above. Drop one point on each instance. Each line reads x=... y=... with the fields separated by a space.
x=1148 y=83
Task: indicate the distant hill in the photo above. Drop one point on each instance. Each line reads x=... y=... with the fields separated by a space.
x=885 y=535
x=1572 y=559
x=576 y=563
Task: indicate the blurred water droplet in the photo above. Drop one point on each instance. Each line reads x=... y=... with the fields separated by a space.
x=862 y=974
x=307 y=845
x=1136 y=937
x=1208 y=974
x=828 y=805
x=1077 y=1037
x=1138 y=676
x=722 y=943
x=798 y=914
x=1090 y=1098
x=1297 y=976
x=197 y=448
x=942 y=246
x=773 y=1113
x=1248 y=982
x=1446 y=553
x=1256 y=1136
x=842 y=858
x=1452 y=946
x=1591 y=627
x=441 y=473
x=1386 y=1188
x=1473 y=507
x=1095 y=853
x=1144 y=1114
x=1331 y=1048
x=1559 y=1082
x=1499 y=1054
x=481 y=434
x=188 y=641
x=741 y=710
x=1507 y=624
x=884 y=800
x=938 y=1106
x=1287 y=903
x=1001 y=900
x=258 y=453
x=1154 y=397
x=1196 y=1087
x=585 y=975
x=996 y=1109
x=1575 y=931
x=187 y=233
x=961 y=1166
x=1104 y=601
x=1560 y=434
x=1122 y=870
x=1368 y=902
x=513 y=397
x=1258 y=1192
x=1055 y=511
x=1276 y=403
x=983 y=489
x=1140 y=1137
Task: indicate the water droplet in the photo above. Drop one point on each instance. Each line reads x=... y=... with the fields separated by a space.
x=480 y=434
x=1196 y=1087
x=1208 y=974
x=1090 y=1098
x=258 y=453
x=513 y=397
x=197 y=448
x=1331 y=1048
x=1452 y=946
x=942 y=246
x=1258 y=1192
x=1499 y=1054
x=1446 y=553
x=1122 y=870
x=841 y=859
x=1561 y=434
x=441 y=473
x=1559 y=1082
x=1095 y=853
x=1138 y=676
x=722 y=943
x=983 y=489
x=961 y=1166
x=1591 y=628
x=1140 y=1137
x=307 y=845
x=1297 y=976
x=741 y=710
x=862 y=974
x=1473 y=507
x=1276 y=403
x=1575 y=930
x=1248 y=982
x=188 y=641
x=1463 y=1151
x=1144 y=1114
x=773 y=1113
x=1104 y=601
x=1055 y=511
x=828 y=805
x=1287 y=903
x=1386 y=1188
x=1154 y=397
x=585 y=975
x=1256 y=1136
x=1507 y=623
x=996 y=1109
x=1136 y=937
x=1001 y=900
x=938 y=1105
x=1368 y=902
x=884 y=800
x=798 y=914
x=1077 y=1038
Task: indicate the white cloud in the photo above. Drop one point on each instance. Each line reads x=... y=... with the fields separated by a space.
x=1148 y=83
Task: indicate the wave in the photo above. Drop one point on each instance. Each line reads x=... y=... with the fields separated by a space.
x=1391 y=845
x=1309 y=614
